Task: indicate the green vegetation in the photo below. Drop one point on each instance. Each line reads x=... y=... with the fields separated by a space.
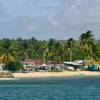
x=55 y=51
x=13 y=66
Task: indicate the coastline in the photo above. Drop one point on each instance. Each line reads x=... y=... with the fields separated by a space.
x=55 y=74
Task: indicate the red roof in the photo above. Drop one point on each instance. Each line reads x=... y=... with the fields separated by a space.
x=36 y=61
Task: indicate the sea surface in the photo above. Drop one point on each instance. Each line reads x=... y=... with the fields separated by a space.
x=65 y=88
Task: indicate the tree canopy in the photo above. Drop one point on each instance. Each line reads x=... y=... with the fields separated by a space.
x=55 y=51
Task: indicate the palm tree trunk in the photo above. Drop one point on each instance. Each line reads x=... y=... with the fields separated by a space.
x=70 y=55
x=71 y=52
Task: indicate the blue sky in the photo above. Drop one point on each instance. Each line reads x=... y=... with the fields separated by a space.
x=44 y=19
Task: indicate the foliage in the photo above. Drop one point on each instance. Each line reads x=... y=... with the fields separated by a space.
x=13 y=66
x=55 y=51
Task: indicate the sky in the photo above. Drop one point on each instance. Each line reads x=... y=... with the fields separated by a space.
x=45 y=19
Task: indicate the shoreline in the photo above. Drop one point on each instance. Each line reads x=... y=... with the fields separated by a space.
x=55 y=74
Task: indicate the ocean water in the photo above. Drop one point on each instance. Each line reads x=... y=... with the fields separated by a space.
x=70 y=88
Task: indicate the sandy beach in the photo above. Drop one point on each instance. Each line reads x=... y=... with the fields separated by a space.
x=55 y=74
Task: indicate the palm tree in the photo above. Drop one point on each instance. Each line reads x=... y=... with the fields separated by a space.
x=23 y=50
x=70 y=45
x=51 y=49
x=44 y=55
x=8 y=55
x=58 y=52
x=87 y=44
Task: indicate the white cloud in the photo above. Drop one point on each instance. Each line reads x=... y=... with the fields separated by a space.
x=50 y=18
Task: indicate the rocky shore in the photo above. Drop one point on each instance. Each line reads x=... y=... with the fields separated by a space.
x=6 y=75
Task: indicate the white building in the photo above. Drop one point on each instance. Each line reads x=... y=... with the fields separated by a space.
x=1 y=67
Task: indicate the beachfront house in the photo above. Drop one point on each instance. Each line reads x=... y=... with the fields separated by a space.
x=28 y=65
x=73 y=65
x=2 y=68
x=32 y=65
